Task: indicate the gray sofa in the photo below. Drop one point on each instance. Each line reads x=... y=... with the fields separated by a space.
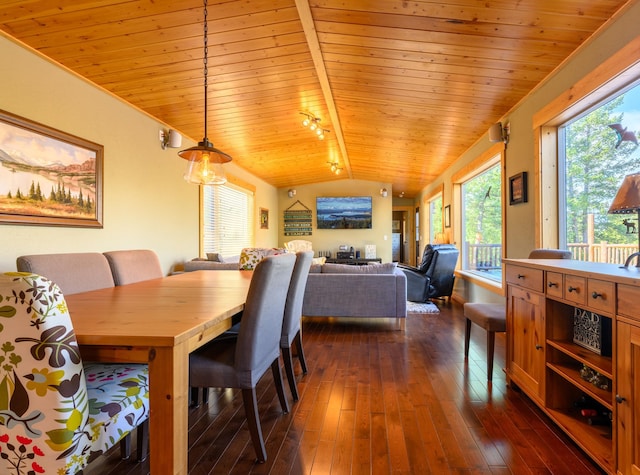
x=373 y=291
x=339 y=290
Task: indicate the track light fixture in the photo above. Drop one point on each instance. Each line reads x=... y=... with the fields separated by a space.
x=335 y=167
x=313 y=123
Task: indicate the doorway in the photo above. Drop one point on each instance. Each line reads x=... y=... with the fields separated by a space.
x=402 y=232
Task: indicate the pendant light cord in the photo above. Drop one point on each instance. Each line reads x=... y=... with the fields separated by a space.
x=205 y=62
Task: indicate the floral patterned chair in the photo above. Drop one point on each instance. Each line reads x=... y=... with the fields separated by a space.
x=56 y=414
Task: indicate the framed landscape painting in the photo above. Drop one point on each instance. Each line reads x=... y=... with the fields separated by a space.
x=48 y=177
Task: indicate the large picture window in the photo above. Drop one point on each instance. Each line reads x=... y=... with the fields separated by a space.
x=435 y=218
x=596 y=150
x=227 y=219
x=481 y=212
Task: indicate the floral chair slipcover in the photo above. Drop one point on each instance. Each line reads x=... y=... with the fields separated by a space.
x=250 y=256
x=56 y=415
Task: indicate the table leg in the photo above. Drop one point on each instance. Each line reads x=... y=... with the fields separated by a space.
x=168 y=424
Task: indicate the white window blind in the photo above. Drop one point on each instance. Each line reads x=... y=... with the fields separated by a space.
x=227 y=219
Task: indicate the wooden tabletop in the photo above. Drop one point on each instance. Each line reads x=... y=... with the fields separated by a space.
x=159 y=322
x=158 y=312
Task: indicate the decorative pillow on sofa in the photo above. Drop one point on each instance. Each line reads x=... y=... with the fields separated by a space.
x=214 y=257
x=250 y=256
x=386 y=268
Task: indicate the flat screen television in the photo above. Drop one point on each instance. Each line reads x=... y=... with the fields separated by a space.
x=343 y=212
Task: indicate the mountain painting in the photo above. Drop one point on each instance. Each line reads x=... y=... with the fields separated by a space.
x=48 y=177
x=346 y=212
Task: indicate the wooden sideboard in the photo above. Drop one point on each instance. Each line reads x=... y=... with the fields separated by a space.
x=544 y=300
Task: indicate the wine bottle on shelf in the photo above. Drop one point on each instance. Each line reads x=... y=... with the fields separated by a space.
x=585 y=402
x=599 y=420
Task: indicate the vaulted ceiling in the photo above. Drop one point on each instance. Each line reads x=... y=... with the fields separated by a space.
x=404 y=87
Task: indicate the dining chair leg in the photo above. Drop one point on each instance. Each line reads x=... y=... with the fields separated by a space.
x=277 y=378
x=288 y=367
x=251 y=412
x=298 y=342
x=143 y=441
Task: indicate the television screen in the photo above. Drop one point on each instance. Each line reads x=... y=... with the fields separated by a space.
x=343 y=212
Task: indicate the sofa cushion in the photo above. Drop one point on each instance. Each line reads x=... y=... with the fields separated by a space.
x=386 y=268
x=250 y=256
x=214 y=257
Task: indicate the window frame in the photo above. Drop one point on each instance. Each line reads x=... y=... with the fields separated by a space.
x=492 y=156
x=609 y=78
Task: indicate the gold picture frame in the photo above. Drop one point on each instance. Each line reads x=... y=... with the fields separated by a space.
x=48 y=177
x=264 y=218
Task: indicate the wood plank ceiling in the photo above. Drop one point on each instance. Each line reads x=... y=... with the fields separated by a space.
x=404 y=87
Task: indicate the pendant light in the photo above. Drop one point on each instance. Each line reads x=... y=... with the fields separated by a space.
x=205 y=161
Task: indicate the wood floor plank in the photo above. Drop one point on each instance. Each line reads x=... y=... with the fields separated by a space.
x=380 y=401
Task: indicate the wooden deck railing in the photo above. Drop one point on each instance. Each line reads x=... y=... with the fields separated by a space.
x=486 y=257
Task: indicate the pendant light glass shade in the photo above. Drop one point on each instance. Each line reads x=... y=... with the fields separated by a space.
x=205 y=161
x=205 y=164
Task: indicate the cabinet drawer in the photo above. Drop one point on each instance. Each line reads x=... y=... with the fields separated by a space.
x=629 y=301
x=525 y=277
x=555 y=287
x=600 y=295
x=575 y=289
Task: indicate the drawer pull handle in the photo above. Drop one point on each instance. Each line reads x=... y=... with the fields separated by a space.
x=572 y=289
x=620 y=399
x=538 y=347
x=595 y=295
x=552 y=284
x=521 y=276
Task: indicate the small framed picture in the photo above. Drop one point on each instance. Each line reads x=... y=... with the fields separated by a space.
x=518 y=188
x=264 y=218
x=447 y=216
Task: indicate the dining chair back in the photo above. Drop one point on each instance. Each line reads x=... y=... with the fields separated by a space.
x=241 y=362
x=77 y=272
x=56 y=413
x=135 y=265
x=291 y=326
x=73 y=272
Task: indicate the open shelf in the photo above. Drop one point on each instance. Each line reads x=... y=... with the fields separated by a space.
x=570 y=373
x=594 y=440
x=602 y=364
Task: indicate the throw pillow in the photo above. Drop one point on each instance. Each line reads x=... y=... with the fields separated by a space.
x=250 y=256
x=386 y=268
x=214 y=256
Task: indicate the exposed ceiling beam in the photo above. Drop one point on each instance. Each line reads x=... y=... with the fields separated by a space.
x=310 y=33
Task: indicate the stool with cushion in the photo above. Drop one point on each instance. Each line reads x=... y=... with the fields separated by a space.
x=491 y=317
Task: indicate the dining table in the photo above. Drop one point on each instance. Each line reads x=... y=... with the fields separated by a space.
x=159 y=322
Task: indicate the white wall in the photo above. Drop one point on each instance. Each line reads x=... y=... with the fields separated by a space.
x=146 y=202
x=330 y=239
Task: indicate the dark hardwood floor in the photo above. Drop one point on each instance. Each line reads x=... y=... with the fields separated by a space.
x=378 y=401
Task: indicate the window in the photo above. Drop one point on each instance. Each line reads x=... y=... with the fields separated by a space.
x=481 y=213
x=227 y=219
x=596 y=150
x=435 y=218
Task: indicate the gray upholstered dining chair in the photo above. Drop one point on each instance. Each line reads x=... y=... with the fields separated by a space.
x=291 y=328
x=77 y=272
x=136 y=265
x=241 y=362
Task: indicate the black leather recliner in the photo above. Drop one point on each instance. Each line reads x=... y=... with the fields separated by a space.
x=434 y=277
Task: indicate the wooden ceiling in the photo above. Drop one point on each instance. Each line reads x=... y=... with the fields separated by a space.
x=405 y=87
